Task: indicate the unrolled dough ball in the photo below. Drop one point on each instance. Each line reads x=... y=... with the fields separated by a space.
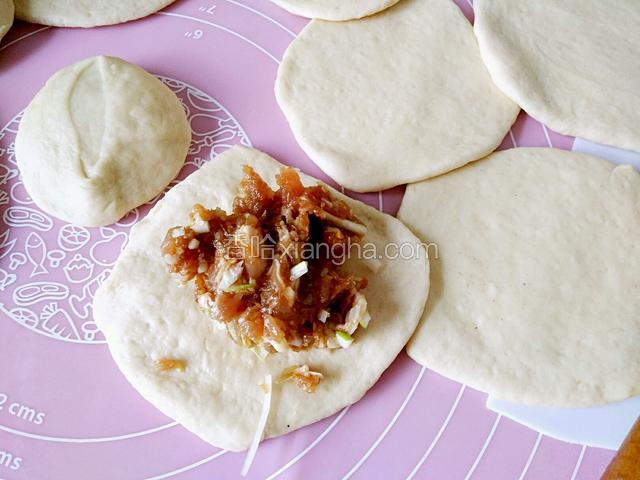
x=86 y=13
x=334 y=9
x=145 y=314
x=571 y=64
x=534 y=292
x=393 y=98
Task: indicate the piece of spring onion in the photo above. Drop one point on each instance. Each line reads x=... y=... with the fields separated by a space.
x=229 y=275
x=277 y=346
x=242 y=288
x=299 y=270
x=260 y=352
x=262 y=423
x=323 y=315
x=357 y=315
x=344 y=339
x=200 y=226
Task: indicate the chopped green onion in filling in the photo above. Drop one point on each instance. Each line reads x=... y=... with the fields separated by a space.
x=344 y=339
x=299 y=270
x=269 y=270
x=242 y=288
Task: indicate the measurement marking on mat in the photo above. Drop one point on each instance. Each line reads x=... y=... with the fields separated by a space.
x=9 y=460
x=210 y=10
x=195 y=35
x=20 y=410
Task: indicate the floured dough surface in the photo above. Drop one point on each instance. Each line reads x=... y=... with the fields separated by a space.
x=393 y=98
x=6 y=16
x=101 y=138
x=145 y=315
x=535 y=295
x=85 y=13
x=334 y=9
x=571 y=64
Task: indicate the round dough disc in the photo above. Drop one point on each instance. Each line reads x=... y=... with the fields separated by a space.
x=571 y=64
x=535 y=294
x=146 y=315
x=101 y=138
x=393 y=98
x=6 y=16
x=335 y=10
x=86 y=13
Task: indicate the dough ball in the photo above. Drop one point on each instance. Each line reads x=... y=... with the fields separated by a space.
x=101 y=138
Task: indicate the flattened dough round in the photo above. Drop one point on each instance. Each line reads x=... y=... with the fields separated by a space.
x=334 y=10
x=86 y=13
x=393 y=98
x=6 y=16
x=146 y=315
x=535 y=296
x=102 y=137
x=571 y=64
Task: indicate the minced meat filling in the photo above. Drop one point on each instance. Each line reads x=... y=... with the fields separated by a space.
x=302 y=376
x=270 y=271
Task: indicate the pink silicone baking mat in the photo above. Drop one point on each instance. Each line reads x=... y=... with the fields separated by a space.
x=66 y=412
